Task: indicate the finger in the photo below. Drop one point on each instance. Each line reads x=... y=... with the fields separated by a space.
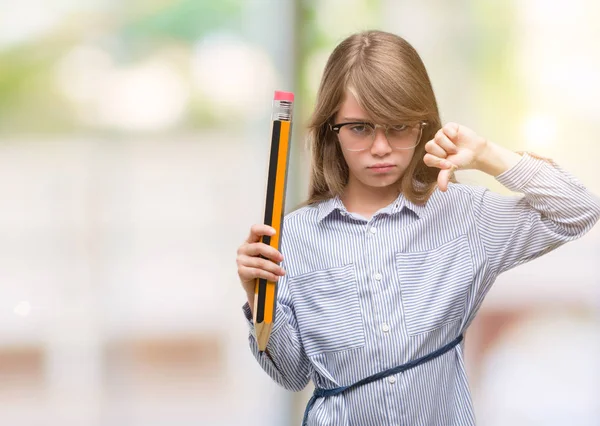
x=434 y=149
x=440 y=163
x=258 y=230
x=444 y=179
x=247 y=274
x=260 y=263
x=451 y=130
x=445 y=143
x=261 y=249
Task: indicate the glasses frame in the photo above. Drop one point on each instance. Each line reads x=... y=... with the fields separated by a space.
x=337 y=127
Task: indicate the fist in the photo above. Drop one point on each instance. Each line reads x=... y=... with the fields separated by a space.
x=256 y=259
x=453 y=147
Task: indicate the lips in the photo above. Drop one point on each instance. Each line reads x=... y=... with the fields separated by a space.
x=381 y=166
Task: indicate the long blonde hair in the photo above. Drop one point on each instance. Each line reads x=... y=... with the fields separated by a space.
x=390 y=82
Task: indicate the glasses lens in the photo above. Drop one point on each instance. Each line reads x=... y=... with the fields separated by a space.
x=356 y=137
x=403 y=136
x=360 y=136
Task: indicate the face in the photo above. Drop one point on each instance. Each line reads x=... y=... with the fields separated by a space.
x=379 y=166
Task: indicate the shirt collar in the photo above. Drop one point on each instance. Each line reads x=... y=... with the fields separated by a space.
x=330 y=205
x=401 y=203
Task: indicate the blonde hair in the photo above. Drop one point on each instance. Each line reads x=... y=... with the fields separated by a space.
x=389 y=80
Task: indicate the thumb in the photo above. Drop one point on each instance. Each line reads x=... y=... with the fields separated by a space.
x=444 y=177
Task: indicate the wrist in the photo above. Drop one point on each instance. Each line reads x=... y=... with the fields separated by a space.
x=494 y=159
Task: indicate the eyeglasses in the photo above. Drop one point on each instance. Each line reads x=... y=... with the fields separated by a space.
x=359 y=136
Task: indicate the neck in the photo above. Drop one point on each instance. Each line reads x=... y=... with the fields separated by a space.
x=365 y=201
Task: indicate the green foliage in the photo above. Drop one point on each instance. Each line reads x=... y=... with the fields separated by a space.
x=30 y=101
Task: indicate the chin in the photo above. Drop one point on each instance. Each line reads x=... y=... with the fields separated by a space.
x=383 y=182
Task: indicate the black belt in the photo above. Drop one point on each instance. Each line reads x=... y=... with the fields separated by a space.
x=323 y=393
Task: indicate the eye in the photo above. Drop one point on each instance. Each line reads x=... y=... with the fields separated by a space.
x=360 y=129
x=398 y=128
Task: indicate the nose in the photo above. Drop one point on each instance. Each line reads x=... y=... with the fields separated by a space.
x=380 y=146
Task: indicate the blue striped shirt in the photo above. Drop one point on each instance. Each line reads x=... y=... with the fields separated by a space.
x=362 y=296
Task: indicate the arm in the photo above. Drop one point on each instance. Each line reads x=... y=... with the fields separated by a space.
x=554 y=209
x=284 y=358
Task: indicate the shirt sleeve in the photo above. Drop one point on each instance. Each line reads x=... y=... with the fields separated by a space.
x=553 y=208
x=284 y=359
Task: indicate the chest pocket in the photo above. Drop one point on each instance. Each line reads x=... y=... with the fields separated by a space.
x=328 y=310
x=435 y=284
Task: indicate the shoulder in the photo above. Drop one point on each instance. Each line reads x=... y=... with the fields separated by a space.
x=462 y=190
x=458 y=193
x=301 y=229
x=306 y=216
x=460 y=199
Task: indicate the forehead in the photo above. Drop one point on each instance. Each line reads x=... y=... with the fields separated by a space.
x=350 y=109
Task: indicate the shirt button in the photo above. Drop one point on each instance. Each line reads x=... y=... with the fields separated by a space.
x=377 y=276
x=392 y=380
x=373 y=230
x=385 y=328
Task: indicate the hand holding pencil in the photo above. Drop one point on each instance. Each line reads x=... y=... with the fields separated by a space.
x=256 y=259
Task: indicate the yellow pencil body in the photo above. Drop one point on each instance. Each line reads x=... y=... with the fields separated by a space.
x=265 y=293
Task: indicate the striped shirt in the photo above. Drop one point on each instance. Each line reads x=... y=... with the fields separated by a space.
x=362 y=296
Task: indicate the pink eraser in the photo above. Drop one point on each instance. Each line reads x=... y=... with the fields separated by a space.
x=284 y=96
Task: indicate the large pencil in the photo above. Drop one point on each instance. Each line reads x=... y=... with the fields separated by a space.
x=265 y=292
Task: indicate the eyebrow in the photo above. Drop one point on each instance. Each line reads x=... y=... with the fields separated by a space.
x=362 y=120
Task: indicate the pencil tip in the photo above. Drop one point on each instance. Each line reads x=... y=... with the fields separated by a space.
x=263 y=332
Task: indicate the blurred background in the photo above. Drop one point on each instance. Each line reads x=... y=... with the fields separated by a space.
x=134 y=140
